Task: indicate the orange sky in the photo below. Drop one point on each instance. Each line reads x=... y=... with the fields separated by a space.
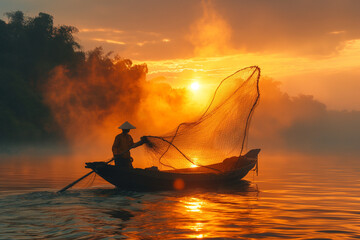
x=312 y=47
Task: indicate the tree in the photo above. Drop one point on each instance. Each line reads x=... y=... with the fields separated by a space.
x=29 y=49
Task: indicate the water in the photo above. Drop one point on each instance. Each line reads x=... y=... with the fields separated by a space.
x=294 y=197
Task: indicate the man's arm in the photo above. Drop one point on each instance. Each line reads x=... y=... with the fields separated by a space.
x=139 y=143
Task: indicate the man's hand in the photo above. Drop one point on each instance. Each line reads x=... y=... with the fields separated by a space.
x=144 y=139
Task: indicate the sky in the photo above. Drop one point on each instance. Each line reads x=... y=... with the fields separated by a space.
x=308 y=53
x=311 y=47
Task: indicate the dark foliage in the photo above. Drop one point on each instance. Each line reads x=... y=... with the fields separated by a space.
x=30 y=48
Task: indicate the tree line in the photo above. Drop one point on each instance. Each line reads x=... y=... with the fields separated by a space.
x=30 y=49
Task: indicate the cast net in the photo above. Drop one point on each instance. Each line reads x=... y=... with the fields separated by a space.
x=220 y=132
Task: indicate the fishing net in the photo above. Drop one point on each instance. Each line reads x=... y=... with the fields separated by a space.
x=220 y=132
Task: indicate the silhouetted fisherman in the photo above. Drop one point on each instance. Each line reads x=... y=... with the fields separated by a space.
x=123 y=142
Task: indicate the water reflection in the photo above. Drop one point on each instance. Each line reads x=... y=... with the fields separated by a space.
x=197 y=223
x=192 y=205
x=43 y=172
x=307 y=199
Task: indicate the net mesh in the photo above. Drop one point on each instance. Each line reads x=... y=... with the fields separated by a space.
x=219 y=132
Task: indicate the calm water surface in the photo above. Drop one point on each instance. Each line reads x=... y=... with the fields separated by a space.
x=294 y=197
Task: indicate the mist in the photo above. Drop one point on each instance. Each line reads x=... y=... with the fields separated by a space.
x=301 y=124
x=79 y=99
x=90 y=102
x=90 y=109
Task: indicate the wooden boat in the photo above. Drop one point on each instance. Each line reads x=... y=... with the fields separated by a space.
x=150 y=179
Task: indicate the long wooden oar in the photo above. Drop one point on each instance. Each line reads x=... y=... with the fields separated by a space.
x=75 y=182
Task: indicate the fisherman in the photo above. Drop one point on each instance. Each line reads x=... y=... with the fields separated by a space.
x=122 y=144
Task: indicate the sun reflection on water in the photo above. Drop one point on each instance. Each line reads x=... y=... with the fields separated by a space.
x=193 y=205
x=194 y=209
x=198 y=227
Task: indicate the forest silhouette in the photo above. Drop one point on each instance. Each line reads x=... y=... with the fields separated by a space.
x=30 y=49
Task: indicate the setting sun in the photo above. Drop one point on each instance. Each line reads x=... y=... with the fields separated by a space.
x=195 y=86
x=193 y=165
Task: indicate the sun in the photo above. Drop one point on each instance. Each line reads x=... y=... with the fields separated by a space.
x=195 y=86
x=193 y=165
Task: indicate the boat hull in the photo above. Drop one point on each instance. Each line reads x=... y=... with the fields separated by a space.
x=150 y=180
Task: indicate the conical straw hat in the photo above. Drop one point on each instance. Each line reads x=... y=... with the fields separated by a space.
x=127 y=125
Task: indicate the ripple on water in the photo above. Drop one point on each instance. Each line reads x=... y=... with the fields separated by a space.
x=295 y=203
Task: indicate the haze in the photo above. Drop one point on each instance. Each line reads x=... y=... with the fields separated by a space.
x=308 y=51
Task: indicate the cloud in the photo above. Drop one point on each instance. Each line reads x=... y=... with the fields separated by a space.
x=92 y=30
x=301 y=124
x=130 y=43
x=108 y=41
x=210 y=35
x=337 y=32
x=301 y=28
